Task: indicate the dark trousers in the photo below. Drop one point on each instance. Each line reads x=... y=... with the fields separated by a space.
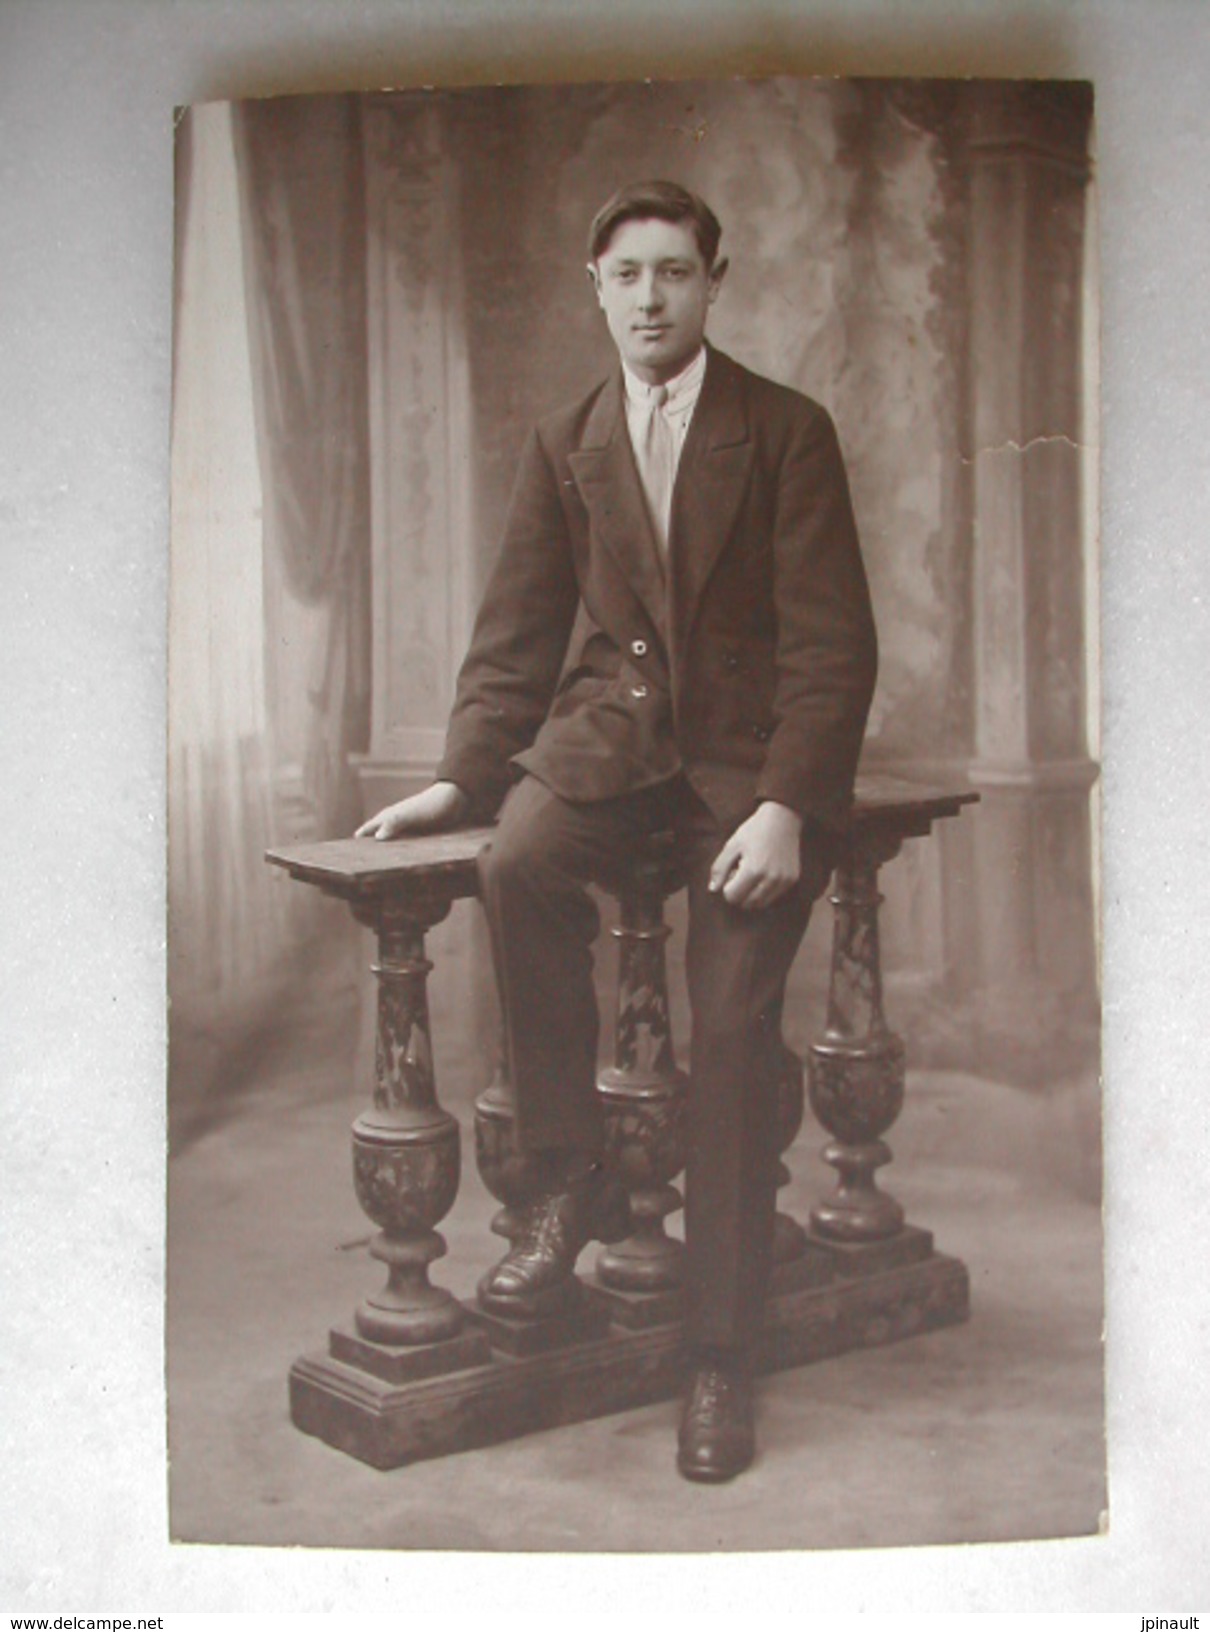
x=543 y=922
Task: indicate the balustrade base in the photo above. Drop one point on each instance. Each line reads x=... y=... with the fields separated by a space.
x=637 y=1311
x=387 y=1424
x=814 y=1266
x=583 y=1322
x=397 y=1363
x=910 y=1245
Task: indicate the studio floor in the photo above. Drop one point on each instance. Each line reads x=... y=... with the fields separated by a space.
x=983 y=1432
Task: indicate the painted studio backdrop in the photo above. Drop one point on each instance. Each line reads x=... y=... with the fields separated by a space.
x=378 y=294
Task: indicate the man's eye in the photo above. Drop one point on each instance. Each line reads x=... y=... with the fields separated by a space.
x=626 y=276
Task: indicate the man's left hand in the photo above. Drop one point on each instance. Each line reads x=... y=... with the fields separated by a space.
x=761 y=860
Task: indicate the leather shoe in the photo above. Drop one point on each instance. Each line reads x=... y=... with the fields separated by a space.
x=537 y=1275
x=717 y=1437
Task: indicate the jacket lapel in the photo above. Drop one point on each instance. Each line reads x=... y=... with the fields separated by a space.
x=711 y=482
x=608 y=480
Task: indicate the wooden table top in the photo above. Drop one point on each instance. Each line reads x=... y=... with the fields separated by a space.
x=360 y=867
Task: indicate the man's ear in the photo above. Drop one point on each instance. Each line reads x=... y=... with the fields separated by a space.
x=717 y=273
x=594 y=277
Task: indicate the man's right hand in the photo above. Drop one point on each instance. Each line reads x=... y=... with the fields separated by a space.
x=440 y=806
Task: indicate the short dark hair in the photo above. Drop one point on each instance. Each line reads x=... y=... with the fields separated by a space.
x=662 y=201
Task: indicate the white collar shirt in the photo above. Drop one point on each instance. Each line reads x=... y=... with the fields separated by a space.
x=683 y=392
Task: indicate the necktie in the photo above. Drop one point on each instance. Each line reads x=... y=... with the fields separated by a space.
x=657 y=462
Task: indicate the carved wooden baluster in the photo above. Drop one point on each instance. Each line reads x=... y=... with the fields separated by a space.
x=856 y=1070
x=643 y=1091
x=406 y=1156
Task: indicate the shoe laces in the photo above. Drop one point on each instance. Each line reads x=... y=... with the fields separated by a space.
x=715 y=1392
x=544 y=1229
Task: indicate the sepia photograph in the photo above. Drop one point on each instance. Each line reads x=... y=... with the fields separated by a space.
x=634 y=720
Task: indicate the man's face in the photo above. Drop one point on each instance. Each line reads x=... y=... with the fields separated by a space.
x=655 y=290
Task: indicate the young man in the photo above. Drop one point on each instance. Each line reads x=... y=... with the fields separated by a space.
x=677 y=635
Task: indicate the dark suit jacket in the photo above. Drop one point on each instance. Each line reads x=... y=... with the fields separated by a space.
x=749 y=662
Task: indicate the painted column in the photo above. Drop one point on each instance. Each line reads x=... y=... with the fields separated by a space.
x=1027 y=149
x=423 y=546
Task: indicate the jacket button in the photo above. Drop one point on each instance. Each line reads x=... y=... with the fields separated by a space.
x=638 y=691
x=638 y=648
x=762 y=733
x=730 y=661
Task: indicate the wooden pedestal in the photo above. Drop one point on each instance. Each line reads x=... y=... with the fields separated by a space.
x=419 y=1375
x=388 y=1424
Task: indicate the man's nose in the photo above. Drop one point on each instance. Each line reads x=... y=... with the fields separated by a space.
x=650 y=295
